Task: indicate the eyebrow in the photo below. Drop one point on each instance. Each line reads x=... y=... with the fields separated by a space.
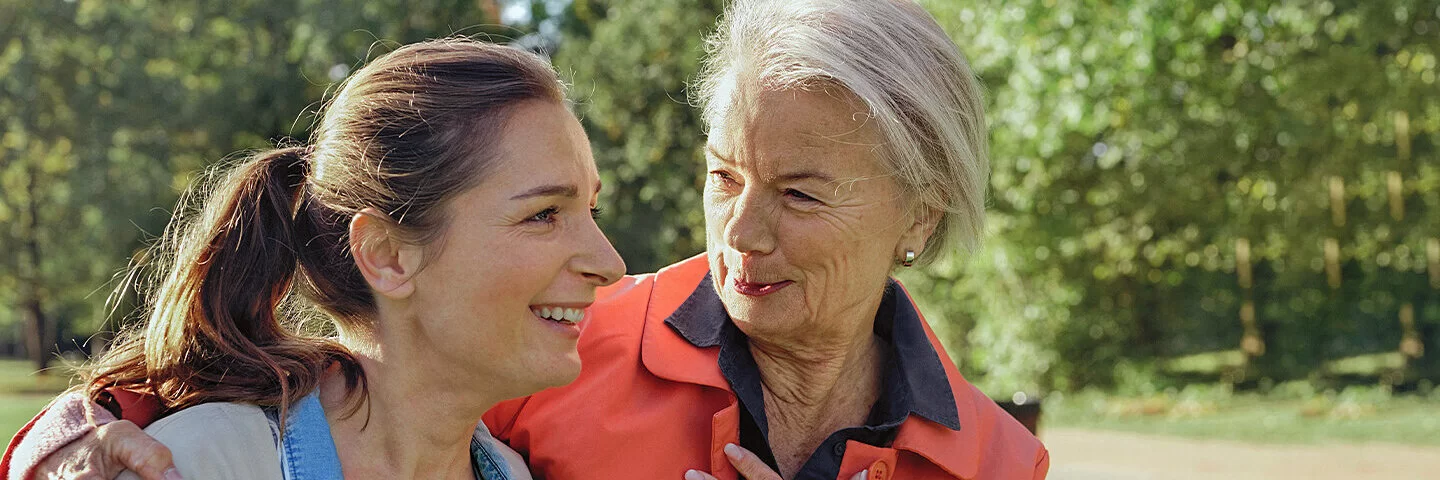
x=794 y=176
x=716 y=153
x=569 y=191
x=549 y=191
x=807 y=175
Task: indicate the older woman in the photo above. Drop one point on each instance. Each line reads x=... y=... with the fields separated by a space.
x=846 y=139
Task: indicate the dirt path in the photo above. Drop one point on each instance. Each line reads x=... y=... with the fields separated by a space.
x=1101 y=455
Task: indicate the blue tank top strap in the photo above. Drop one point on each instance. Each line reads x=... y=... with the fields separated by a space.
x=307 y=452
x=485 y=458
x=306 y=449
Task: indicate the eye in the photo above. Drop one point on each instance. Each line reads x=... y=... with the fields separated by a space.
x=722 y=177
x=798 y=195
x=545 y=216
x=596 y=212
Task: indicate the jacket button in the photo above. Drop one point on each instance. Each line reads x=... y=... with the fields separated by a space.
x=838 y=448
x=878 y=471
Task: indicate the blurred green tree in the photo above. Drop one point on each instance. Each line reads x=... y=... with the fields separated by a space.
x=630 y=62
x=1158 y=166
x=1138 y=145
x=110 y=108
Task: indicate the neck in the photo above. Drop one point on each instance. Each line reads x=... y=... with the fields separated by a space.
x=812 y=379
x=416 y=422
x=814 y=369
x=814 y=389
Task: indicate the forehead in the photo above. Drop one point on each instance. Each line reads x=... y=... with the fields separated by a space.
x=542 y=139
x=797 y=128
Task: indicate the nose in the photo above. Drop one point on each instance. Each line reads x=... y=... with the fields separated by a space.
x=749 y=228
x=598 y=261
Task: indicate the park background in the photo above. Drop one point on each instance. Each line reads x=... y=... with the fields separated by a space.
x=1211 y=220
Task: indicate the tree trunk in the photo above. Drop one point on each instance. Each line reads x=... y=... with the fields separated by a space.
x=37 y=333
x=38 y=344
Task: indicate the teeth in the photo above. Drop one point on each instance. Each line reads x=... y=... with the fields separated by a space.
x=559 y=314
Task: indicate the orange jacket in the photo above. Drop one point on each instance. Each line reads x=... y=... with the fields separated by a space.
x=650 y=405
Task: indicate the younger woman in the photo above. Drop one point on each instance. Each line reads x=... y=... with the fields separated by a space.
x=441 y=218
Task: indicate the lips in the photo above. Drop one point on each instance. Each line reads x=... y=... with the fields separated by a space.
x=757 y=289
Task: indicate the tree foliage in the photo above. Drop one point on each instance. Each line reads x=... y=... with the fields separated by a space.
x=109 y=109
x=630 y=63
x=1158 y=165
x=1138 y=146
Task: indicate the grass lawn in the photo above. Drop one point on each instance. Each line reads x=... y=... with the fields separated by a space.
x=23 y=393
x=18 y=408
x=1327 y=417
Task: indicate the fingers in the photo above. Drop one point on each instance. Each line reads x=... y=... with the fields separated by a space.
x=124 y=446
x=697 y=475
x=749 y=465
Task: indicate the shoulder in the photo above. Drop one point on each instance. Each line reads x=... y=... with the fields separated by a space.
x=220 y=441
x=215 y=421
x=616 y=307
x=611 y=338
x=1004 y=432
x=1006 y=449
x=999 y=444
x=676 y=280
x=621 y=311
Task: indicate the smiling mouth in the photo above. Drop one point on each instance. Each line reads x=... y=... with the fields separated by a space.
x=754 y=289
x=564 y=315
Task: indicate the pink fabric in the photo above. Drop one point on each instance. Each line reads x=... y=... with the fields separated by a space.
x=68 y=418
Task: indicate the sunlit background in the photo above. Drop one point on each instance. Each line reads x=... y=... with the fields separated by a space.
x=1213 y=224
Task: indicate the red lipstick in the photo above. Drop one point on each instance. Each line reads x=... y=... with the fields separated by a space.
x=752 y=289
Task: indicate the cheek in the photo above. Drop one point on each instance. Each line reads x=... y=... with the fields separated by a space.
x=717 y=215
x=499 y=274
x=819 y=241
x=835 y=253
x=528 y=268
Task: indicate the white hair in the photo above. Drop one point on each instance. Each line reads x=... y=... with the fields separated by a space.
x=892 y=56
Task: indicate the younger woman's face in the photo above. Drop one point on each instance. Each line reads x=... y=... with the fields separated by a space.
x=503 y=292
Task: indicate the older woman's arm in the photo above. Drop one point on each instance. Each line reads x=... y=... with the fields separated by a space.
x=75 y=438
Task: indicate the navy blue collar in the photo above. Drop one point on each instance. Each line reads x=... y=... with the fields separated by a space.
x=915 y=381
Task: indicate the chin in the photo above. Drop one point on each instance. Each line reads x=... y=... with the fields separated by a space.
x=752 y=309
x=560 y=372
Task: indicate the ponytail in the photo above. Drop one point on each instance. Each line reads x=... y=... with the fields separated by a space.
x=214 y=329
x=405 y=134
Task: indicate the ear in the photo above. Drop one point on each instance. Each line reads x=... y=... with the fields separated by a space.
x=923 y=223
x=388 y=264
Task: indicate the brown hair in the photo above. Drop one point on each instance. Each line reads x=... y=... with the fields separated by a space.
x=404 y=134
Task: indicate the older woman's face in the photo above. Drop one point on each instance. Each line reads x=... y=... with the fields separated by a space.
x=803 y=223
